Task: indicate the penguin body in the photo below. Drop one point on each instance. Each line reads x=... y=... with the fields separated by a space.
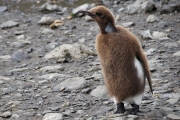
x=123 y=61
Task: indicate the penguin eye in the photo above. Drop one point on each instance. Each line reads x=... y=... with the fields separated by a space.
x=98 y=14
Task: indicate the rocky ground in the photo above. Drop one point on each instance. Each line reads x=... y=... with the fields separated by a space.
x=55 y=74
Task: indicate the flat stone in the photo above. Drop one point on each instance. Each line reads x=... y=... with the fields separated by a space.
x=50 y=7
x=176 y=54
x=127 y=24
x=46 y=21
x=47 y=31
x=99 y=91
x=5 y=57
x=52 y=76
x=3 y=8
x=9 y=24
x=152 y=18
x=51 y=69
x=13 y=103
x=53 y=116
x=19 y=69
x=20 y=43
x=97 y=76
x=171 y=45
x=75 y=83
x=150 y=51
x=173 y=117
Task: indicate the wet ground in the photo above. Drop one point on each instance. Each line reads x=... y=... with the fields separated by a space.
x=26 y=96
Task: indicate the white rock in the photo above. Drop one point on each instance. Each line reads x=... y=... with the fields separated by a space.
x=97 y=76
x=152 y=18
x=75 y=83
x=150 y=51
x=9 y=24
x=52 y=76
x=6 y=114
x=4 y=78
x=159 y=35
x=53 y=68
x=146 y=35
x=173 y=117
x=76 y=51
x=13 y=103
x=46 y=20
x=82 y=7
x=176 y=54
x=88 y=18
x=127 y=24
x=53 y=116
x=19 y=69
x=99 y=91
x=5 y=57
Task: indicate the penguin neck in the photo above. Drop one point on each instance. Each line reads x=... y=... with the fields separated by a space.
x=110 y=28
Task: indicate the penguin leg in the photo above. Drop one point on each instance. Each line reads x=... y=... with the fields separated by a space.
x=120 y=108
x=134 y=110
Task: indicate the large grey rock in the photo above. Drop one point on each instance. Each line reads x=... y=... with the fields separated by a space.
x=139 y=6
x=19 y=56
x=3 y=8
x=53 y=116
x=82 y=7
x=9 y=24
x=152 y=18
x=66 y=51
x=75 y=83
x=99 y=91
x=46 y=20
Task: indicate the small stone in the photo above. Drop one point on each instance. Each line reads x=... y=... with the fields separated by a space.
x=171 y=45
x=15 y=116
x=152 y=18
x=50 y=7
x=47 y=31
x=53 y=116
x=99 y=91
x=52 y=76
x=88 y=18
x=127 y=24
x=9 y=24
x=80 y=112
x=7 y=114
x=173 y=117
x=5 y=57
x=97 y=76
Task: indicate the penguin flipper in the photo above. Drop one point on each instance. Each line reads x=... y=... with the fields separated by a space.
x=142 y=58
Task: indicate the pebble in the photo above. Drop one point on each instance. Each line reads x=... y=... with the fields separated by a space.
x=50 y=7
x=146 y=34
x=81 y=7
x=159 y=35
x=5 y=57
x=53 y=116
x=9 y=24
x=88 y=18
x=99 y=91
x=51 y=76
x=47 y=31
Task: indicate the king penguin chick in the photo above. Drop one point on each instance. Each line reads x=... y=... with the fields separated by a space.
x=122 y=59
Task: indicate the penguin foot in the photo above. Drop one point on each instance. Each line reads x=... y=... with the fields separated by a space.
x=134 y=110
x=120 y=108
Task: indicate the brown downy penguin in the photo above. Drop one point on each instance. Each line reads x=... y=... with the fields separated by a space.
x=123 y=61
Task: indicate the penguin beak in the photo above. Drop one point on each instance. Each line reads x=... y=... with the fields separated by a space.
x=85 y=13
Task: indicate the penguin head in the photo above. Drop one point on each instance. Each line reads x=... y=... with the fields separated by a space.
x=102 y=16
